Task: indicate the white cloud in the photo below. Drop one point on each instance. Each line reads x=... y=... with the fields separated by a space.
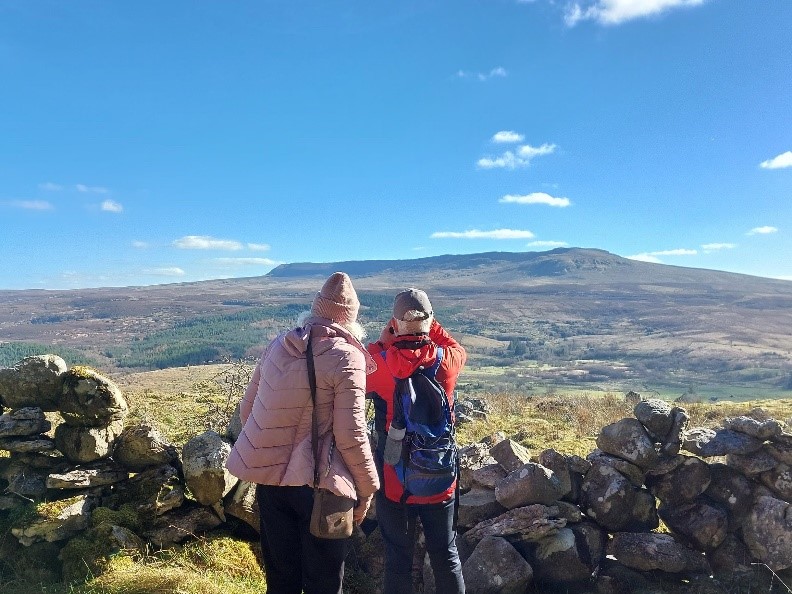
x=165 y=271
x=91 y=189
x=204 y=242
x=547 y=244
x=510 y=160
x=645 y=258
x=536 y=198
x=111 y=206
x=498 y=72
x=714 y=247
x=50 y=187
x=507 y=136
x=231 y=262
x=31 y=204
x=766 y=230
x=476 y=234
x=779 y=162
x=258 y=247
x=141 y=245
x=676 y=252
x=615 y=12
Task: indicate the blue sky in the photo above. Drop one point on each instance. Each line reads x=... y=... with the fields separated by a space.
x=151 y=142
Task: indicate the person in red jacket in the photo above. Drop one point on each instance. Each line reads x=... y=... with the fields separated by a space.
x=410 y=340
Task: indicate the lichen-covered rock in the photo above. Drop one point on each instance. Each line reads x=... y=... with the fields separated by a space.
x=471 y=458
x=700 y=523
x=722 y=442
x=510 y=454
x=762 y=430
x=487 y=476
x=142 y=446
x=730 y=557
x=779 y=481
x=85 y=477
x=24 y=422
x=557 y=462
x=204 y=460
x=477 y=505
x=87 y=444
x=87 y=554
x=54 y=521
x=648 y=551
x=25 y=481
x=181 y=524
x=682 y=484
x=38 y=444
x=781 y=448
x=628 y=469
x=241 y=503
x=656 y=416
x=629 y=440
x=532 y=522
x=767 y=530
x=615 y=503
x=495 y=567
x=732 y=491
x=571 y=555
x=34 y=381
x=90 y=400
x=531 y=483
x=753 y=464
x=672 y=442
x=153 y=492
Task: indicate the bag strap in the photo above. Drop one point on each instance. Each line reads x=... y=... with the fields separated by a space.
x=314 y=422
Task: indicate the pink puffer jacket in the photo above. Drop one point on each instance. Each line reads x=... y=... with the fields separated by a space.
x=274 y=447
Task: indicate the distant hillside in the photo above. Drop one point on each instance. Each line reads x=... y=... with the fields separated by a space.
x=534 y=318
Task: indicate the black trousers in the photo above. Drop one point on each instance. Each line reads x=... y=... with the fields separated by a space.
x=294 y=560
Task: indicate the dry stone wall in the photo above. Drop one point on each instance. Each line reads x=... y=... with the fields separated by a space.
x=723 y=493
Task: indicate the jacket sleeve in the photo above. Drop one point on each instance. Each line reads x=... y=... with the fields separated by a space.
x=455 y=355
x=349 y=423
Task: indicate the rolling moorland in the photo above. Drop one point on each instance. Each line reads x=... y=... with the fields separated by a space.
x=533 y=322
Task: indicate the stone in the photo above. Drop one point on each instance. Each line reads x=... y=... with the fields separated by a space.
x=471 y=458
x=87 y=444
x=492 y=439
x=234 y=428
x=495 y=567
x=702 y=524
x=610 y=499
x=722 y=442
x=648 y=551
x=753 y=464
x=477 y=505
x=730 y=557
x=569 y=556
x=96 y=475
x=557 y=462
x=672 y=443
x=510 y=454
x=24 y=422
x=531 y=483
x=629 y=440
x=178 y=525
x=732 y=491
x=241 y=503
x=656 y=416
x=33 y=382
x=781 y=448
x=28 y=445
x=90 y=400
x=142 y=446
x=762 y=430
x=629 y=470
x=632 y=397
x=204 y=458
x=56 y=521
x=153 y=492
x=767 y=530
x=779 y=481
x=532 y=522
x=683 y=484
x=488 y=476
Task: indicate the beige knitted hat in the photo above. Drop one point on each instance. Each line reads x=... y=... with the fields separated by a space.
x=337 y=300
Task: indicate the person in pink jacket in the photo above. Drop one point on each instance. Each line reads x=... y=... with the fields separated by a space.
x=274 y=449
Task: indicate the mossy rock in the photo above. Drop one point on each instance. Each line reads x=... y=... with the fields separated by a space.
x=89 y=399
x=89 y=554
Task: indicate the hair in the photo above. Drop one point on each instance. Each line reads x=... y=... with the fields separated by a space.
x=355 y=328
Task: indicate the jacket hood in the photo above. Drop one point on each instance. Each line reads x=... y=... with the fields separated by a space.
x=295 y=341
x=408 y=354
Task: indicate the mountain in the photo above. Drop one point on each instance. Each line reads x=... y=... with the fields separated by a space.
x=514 y=311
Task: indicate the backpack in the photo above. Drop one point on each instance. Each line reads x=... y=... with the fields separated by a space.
x=428 y=462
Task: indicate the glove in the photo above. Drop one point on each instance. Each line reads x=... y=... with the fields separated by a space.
x=359 y=513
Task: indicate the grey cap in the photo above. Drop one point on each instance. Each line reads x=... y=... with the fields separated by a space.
x=412 y=300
